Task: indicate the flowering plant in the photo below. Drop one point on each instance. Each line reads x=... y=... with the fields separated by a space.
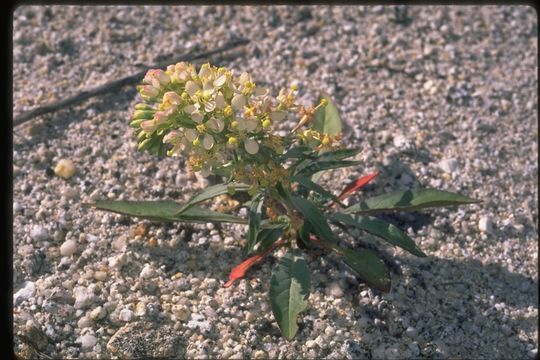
x=225 y=125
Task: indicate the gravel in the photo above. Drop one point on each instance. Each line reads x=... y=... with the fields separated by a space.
x=442 y=97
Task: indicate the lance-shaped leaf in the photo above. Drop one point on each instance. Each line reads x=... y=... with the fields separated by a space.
x=310 y=185
x=164 y=210
x=289 y=290
x=254 y=222
x=379 y=228
x=316 y=166
x=239 y=271
x=327 y=120
x=409 y=200
x=339 y=154
x=356 y=185
x=296 y=152
x=211 y=192
x=369 y=267
x=314 y=217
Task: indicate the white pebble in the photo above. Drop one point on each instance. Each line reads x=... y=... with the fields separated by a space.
x=147 y=272
x=65 y=168
x=411 y=332
x=100 y=275
x=87 y=341
x=98 y=313
x=334 y=290
x=126 y=315
x=84 y=322
x=68 y=248
x=448 y=165
x=39 y=233
x=25 y=293
x=485 y=225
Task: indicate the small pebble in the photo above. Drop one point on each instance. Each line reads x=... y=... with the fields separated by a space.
x=65 y=168
x=485 y=225
x=84 y=322
x=68 y=248
x=126 y=315
x=147 y=272
x=39 y=233
x=26 y=292
x=87 y=341
x=448 y=165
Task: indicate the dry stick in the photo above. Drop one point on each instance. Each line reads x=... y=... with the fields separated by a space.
x=117 y=84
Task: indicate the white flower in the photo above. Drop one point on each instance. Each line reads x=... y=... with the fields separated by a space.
x=260 y=91
x=190 y=109
x=172 y=137
x=172 y=97
x=251 y=124
x=220 y=81
x=251 y=146
x=220 y=101
x=191 y=134
x=206 y=169
x=216 y=125
x=156 y=77
x=208 y=141
x=204 y=71
x=238 y=102
x=197 y=116
x=209 y=106
x=277 y=115
x=192 y=88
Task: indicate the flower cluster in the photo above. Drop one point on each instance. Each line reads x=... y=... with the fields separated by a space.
x=221 y=122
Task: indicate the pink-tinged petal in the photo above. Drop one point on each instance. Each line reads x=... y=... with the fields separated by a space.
x=172 y=97
x=149 y=91
x=148 y=126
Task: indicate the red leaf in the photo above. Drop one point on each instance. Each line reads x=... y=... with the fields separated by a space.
x=349 y=189
x=239 y=271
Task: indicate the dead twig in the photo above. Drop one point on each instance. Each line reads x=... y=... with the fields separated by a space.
x=116 y=84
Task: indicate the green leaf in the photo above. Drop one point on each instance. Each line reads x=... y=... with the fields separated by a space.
x=254 y=222
x=379 y=228
x=267 y=237
x=165 y=210
x=314 y=217
x=409 y=200
x=310 y=185
x=327 y=120
x=369 y=267
x=339 y=154
x=311 y=168
x=296 y=152
x=289 y=290
x=211 y=192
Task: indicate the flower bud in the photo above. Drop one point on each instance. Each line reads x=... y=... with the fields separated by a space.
x=136 y=123
x=266 y=123
x=143 y=114
x=143 y=106
x=145 y=144
x=228 y=111
x=191 y=88
x=233 y=141
x=191 y=134
x=149 y=91
x=148 y=126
